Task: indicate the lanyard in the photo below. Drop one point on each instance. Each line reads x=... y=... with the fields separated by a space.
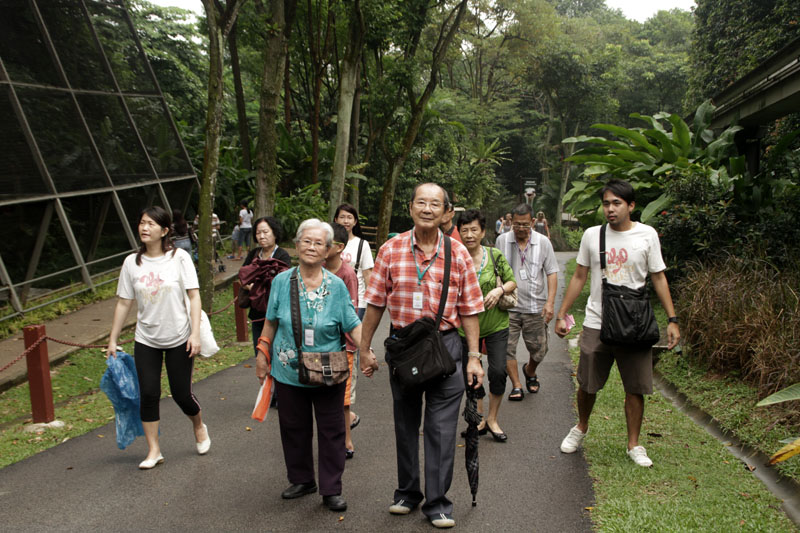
x=483 y=262
x=523 y=252
x=421 y=274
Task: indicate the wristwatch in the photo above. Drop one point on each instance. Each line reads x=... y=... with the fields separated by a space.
x=673 y=320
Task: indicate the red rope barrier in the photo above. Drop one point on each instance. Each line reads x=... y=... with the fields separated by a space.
x=30 y=348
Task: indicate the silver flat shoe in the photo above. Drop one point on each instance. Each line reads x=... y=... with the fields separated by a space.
x=204 y=446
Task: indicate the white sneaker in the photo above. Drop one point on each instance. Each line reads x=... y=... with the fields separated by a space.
x=203 y=447
x=443 y=521
x=639 y=456
x=401 y=507
x=572 y=441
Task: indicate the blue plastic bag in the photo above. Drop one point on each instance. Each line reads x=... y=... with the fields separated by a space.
x=121 y=385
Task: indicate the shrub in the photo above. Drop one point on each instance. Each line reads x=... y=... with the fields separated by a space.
x=565 y=239
x=742 y=317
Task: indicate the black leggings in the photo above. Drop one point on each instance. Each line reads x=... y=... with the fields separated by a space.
x=179 y=374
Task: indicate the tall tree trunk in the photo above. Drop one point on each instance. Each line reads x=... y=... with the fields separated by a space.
x=347 y=90
x=353 y=148
x=280 y=16
x=446 y=33
x=566 y=167
x=241 y=112
x=219 y=27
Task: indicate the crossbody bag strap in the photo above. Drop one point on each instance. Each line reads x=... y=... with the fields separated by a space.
x=297 y=320
x=445 y=281
x=603 y=250
x=358 y=253
x=494 y=265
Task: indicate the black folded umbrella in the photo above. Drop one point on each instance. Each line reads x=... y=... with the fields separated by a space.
x=473 y=418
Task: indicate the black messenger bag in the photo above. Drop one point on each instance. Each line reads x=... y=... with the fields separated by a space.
x=416 y=354
x=628 y=318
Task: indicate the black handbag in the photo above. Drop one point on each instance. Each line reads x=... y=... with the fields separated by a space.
x=416 y=354
x=628 y=318
x=506 y=301
x=315 y=368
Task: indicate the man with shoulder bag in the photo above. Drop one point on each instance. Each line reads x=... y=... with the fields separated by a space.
x=620 y=324
x=429 y=293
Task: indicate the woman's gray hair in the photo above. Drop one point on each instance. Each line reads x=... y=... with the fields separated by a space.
x=315 y=223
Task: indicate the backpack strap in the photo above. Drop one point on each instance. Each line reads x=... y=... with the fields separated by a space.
x=295 y=310
x=603 y=250
x=358 y=254
x=494 y=264
x=445 y=281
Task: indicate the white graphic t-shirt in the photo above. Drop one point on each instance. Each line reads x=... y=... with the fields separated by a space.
x=630 y=256
x=162 y=320
x=349 y=255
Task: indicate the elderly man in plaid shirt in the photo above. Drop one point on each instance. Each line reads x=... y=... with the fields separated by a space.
x=407 y=278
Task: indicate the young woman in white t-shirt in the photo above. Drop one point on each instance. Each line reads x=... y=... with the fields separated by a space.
x=347 y=216
x=158 y=277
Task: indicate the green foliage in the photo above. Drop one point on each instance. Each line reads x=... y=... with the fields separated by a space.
x=650 y=158
x=302 y=204
x=790 y=393
x=732 y=37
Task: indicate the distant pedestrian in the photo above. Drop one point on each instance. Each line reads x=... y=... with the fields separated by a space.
x=245 y=228
x=632 y=251
x=357 y=252
x=536 y=270
x=269 y=232
x=326 y=312
x=160 y=278
x=180 y=232
x=506 y=226
x=540 y=225
x=408 y=279
x=447 y=226
x=489 y=265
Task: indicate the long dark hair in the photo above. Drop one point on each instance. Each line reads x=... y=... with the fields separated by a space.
x=352 y=210
x=161 y=217
x=180 y=225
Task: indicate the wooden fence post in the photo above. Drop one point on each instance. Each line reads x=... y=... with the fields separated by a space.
x=240 y=314
x=39 y=375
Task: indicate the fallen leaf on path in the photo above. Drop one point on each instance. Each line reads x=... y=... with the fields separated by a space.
x=101 y=436
x=588 y=508
x=248 y=428
x=341 y=518
x=248 y=366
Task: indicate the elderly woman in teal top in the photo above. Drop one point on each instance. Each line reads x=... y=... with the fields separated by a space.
x=493 y=321
x=327 y=312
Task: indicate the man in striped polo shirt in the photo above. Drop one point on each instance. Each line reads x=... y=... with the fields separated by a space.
x=533 y=261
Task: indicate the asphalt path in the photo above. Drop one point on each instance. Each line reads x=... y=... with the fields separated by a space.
x=87 y=484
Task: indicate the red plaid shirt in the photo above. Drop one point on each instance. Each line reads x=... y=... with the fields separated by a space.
x=394 y=280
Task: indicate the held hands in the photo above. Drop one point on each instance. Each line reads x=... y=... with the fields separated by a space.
x=561 y=327
x=492 y=297
x=474 y=372
x=193 y=345
x=369 y=364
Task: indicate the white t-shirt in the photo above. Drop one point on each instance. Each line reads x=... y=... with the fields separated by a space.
x=630 y=256
x=162 y=320
x=246 y=219
x=349 y=255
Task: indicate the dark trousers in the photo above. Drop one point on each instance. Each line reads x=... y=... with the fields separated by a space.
x=179 y=373
x=297 y=431
x=442 y=403
x=496 y=346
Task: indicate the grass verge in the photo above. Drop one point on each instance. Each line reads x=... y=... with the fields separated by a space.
x=81 y=405
x=695 y=484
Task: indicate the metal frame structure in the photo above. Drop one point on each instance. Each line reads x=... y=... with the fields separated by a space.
x=86 y=15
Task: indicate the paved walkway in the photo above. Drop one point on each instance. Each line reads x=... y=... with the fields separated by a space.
x=87 y=484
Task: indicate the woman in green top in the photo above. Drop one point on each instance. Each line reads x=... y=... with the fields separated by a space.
x=493 y=321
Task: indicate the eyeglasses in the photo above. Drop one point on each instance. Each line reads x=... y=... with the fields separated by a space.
x=422 y=204
x=521 y=226
x=308 y=243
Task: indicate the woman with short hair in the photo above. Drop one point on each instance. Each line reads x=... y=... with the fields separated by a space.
x=326 y=314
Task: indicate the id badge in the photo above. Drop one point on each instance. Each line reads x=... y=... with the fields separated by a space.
x=416 y=300
x=523 y=274
x=309 y=337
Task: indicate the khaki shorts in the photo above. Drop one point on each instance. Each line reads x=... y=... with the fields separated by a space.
x=635 y=365
x=534 y=334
